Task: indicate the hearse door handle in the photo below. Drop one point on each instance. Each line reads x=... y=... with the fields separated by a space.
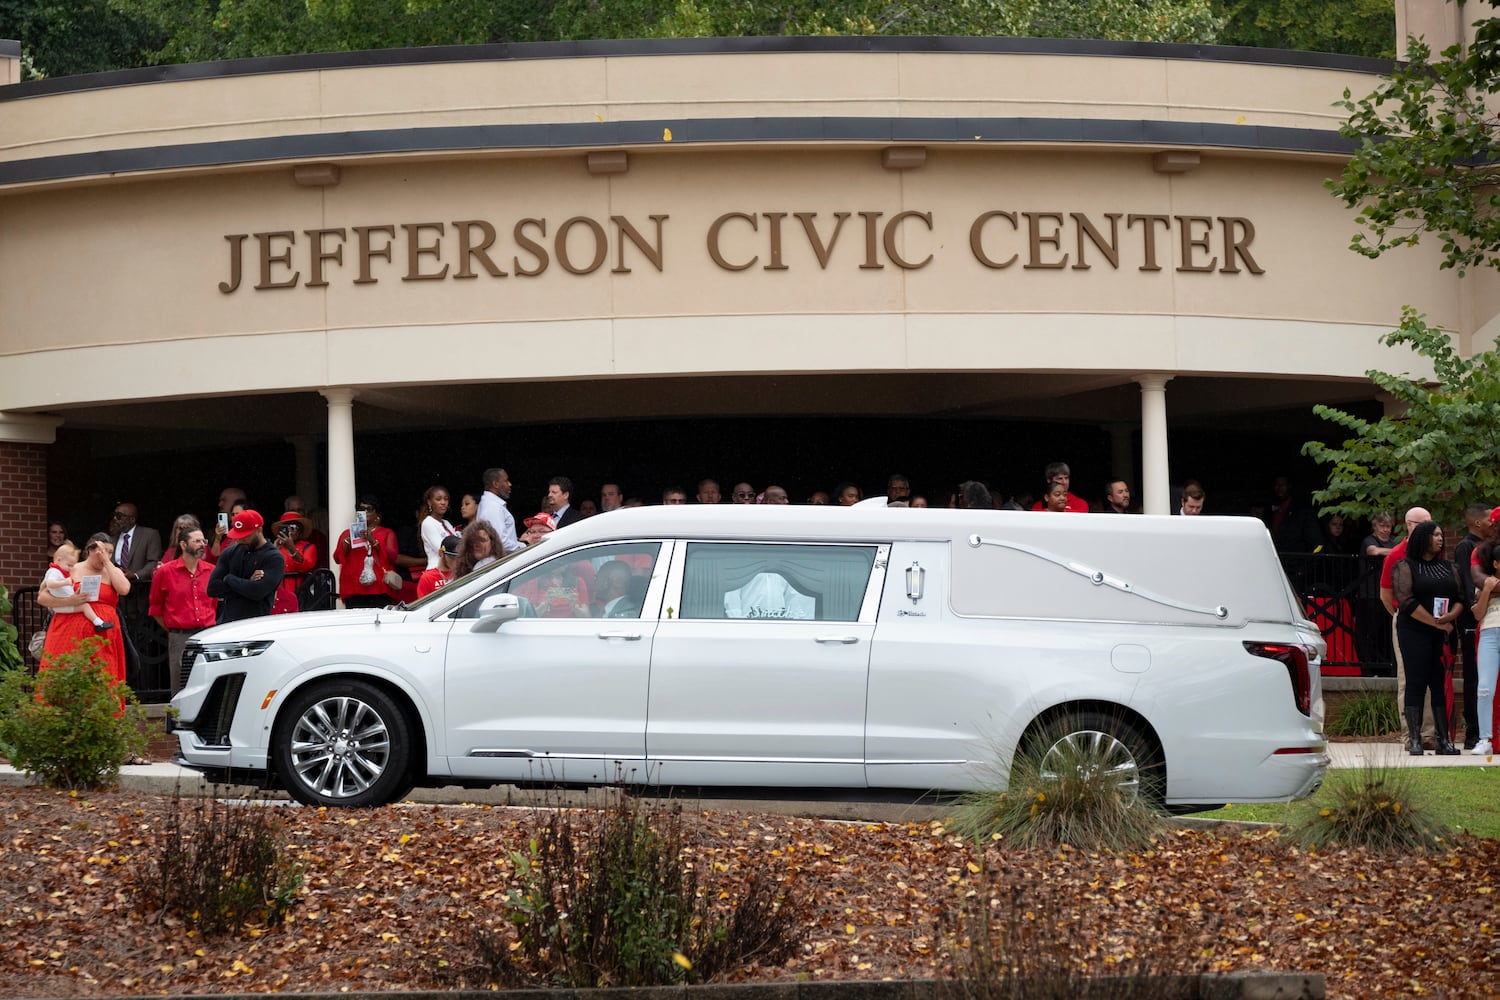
x=627 y=636
x=847 y=640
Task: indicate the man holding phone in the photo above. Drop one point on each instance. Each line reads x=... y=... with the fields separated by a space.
x=247 y=575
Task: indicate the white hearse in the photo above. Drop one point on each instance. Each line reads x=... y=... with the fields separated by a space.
x=815 y=649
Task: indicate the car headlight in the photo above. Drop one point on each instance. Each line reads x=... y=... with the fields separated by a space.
x=216 y=651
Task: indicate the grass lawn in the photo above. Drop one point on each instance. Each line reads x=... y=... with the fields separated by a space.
x=1465 y=799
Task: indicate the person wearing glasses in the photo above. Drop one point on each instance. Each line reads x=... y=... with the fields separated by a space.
x=137 y=549
x=742 y=493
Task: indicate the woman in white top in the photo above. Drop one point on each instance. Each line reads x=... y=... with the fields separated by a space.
x=435 y=526
x=1487 y=613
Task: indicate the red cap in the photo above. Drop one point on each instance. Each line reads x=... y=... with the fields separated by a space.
x=543 y=518
x=1495 y=515
x=245 y=524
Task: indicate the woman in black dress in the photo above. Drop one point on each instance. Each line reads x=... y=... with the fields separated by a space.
x=1428 y=594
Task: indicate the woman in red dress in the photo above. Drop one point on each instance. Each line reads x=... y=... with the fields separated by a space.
x=65 y=631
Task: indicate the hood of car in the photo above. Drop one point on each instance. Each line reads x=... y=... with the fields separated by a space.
x=272 y=626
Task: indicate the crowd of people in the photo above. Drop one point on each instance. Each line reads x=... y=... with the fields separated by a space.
x=243 y=564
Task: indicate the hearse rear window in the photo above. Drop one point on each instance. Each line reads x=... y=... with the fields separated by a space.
x=775 y=581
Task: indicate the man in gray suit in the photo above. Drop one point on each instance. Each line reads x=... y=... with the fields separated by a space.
x=137 y=549
x=137 y=553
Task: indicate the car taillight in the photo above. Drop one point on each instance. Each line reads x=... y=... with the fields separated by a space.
x=1295 y=658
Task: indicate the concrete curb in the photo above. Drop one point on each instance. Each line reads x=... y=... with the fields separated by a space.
x=169 y=779
x=1228 y=986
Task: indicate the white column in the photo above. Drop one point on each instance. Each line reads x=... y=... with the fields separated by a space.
x=1155 y=486
x=340 y=463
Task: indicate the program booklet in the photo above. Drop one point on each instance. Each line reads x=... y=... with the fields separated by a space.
x=88 y=586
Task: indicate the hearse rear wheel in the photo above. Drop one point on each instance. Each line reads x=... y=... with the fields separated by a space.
x=1103 y=742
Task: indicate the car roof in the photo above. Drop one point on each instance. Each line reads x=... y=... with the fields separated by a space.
x=873 y=520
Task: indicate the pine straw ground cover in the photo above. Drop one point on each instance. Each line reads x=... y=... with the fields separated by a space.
x=391 y=893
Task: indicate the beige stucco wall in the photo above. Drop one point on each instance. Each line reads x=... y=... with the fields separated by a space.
x=680 y=88
x=115 y=281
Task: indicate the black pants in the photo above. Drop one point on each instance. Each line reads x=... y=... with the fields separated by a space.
x=1470 y=644
x=1422 y=652
x=376 y=601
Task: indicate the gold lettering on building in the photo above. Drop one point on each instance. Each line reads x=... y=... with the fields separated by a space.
x=739 y=241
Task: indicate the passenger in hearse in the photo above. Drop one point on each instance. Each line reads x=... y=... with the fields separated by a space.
x=612 y=592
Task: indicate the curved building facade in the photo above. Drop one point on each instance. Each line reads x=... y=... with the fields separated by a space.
x=311 y=249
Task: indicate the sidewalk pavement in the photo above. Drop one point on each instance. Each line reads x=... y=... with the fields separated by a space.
x=167 y=779
x=1395 y=755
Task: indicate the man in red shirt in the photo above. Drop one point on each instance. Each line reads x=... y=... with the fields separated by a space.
x=179 y=599
x=1414 y=517
x=1059 y=473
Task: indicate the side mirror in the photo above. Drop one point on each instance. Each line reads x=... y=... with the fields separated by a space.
x=495 y=611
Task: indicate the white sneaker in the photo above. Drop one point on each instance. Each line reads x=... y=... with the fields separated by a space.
x=1482 y=749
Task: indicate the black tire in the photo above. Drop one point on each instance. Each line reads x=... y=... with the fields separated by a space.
x=1117 y=742
x=343 y=743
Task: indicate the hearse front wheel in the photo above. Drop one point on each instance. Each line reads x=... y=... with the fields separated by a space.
x=1100 y=742
x=343 y=743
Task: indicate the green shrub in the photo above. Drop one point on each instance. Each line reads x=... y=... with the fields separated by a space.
x=1063 y=795
x=616 y=904
x=1368 y=713
x=10 y=653
x=219 y=867
x=1379 y=809
x=72 y=725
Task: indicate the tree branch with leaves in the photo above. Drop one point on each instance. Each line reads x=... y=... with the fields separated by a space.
x=1427 y=157
x=1441 y=451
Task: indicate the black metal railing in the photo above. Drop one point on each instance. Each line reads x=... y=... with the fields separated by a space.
x=1342 y=595
x=146 y=655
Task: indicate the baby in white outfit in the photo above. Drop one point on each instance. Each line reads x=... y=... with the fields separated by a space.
x=58 y=583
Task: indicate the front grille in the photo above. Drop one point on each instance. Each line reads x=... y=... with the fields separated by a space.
x=189 y=653
x=213 y=722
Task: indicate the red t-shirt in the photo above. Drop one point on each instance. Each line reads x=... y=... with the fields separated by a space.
x=431 y=580
x=1397 y=553
x=1076 y=505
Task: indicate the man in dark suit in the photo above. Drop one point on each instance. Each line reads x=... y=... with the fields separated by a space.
x=612 y=591
x=559 y=500
x=137 y=553
x=137 y=549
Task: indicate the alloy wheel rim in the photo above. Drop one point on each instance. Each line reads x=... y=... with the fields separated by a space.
x=340 y=747
x=1093 y=752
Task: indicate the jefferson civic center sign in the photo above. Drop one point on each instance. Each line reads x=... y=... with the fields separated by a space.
x=998 y=239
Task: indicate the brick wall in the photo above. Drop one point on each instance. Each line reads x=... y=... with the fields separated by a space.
x=23 y=514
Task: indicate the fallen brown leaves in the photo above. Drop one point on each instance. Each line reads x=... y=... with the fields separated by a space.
x=390 y=893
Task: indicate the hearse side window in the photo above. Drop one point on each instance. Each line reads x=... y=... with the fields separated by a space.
x=603 y=581
x=779 y=581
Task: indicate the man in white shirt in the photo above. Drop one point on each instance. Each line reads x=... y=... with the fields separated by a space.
x=492 y=509
x=610 y=497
